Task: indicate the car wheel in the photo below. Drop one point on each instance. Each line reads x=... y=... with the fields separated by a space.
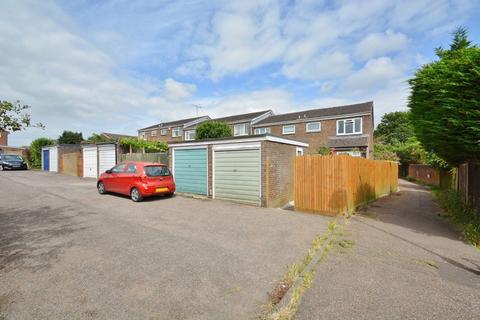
x=101 y=188
x=135 y=195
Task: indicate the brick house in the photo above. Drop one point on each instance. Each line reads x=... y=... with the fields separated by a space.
x=242 y=124
x=179 y=130
x=5 y=148
x=344 y=129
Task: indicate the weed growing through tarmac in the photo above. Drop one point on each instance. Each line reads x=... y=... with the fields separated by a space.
x=298 y=271
x=429 y=263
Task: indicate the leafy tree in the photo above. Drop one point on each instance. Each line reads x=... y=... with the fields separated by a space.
x=35 y=157
x=384 y=152
x=13 y=117
x=212 y=130
x=395 y=127
x=445 y=102
x=70 y=137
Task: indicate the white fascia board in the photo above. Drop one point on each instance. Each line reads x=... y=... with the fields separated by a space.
x=194 y=122
x=233 y=141
x=261 y=117
x=238 y=146
x=303 y=120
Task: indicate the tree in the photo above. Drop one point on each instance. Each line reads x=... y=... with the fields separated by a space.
x=70 y=137
x=13 y=117
x=445 y=102
x=395 y=127
x=212 y=130
x=35 y=157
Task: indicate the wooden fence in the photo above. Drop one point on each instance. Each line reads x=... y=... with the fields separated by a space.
x=161 y=157
x=336 y=184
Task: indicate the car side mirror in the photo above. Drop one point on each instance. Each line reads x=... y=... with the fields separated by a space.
x=109 y=171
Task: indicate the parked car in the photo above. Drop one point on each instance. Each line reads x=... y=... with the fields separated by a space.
x=137 y=180
x=12 y=162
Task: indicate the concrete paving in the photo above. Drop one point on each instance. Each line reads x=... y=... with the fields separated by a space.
x=67 y=252
x=407 y=263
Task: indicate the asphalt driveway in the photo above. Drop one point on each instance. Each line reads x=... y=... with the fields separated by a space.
x=67 y=252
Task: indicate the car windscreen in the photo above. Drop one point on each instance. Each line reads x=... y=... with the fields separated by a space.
x=156 y=171
x=11 y=157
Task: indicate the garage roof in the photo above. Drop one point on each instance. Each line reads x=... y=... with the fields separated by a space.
x=259 y=137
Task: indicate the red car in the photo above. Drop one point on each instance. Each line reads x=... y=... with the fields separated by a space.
x=137 y=180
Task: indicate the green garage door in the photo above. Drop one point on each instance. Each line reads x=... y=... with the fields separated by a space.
x=237 y=175
x=190 y=170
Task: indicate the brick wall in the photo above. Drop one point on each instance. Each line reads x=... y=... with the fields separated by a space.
x=278 y=162
x=13 y=150
x=328 y=129
x=3 y=138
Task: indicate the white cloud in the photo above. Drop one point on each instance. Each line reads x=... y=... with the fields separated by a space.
x=378 y=44
x=175 y=90
x=324 y=66
x=378 y=72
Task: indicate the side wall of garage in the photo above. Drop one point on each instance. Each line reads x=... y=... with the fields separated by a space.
x=278 y=161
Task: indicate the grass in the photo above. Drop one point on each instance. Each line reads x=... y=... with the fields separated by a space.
x=461 y=213
x=298 y=273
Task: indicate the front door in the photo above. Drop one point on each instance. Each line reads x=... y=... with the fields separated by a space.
x=46 y=160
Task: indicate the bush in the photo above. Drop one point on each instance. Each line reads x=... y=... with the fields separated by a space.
x=461 y=213
x=323 y=150
x=212 y=130
x=148 y=146
x=69 y=137
x=35 y=159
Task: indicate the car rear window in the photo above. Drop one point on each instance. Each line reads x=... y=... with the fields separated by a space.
x=157 y=171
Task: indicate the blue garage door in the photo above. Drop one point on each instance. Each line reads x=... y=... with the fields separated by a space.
x=190 y=170
x=46 y=160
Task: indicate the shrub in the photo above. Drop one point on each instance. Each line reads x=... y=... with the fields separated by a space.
x=35 y=159
x=212 y=130
x=461 y=213
x=323 y=150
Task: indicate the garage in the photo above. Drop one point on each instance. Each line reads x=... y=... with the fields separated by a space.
x=50 y=158
x=190 y=169
x=90 y=162
x=255 y=170
x=237 y=175
x=98 y=158
x=107 y=157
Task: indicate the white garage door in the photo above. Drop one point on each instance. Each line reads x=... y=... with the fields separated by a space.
x=107 y=157
x=237 y=175
x=90 y=162
x=53 y=159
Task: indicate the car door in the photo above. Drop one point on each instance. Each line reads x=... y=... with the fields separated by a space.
x=126 y=180
x=112 y=181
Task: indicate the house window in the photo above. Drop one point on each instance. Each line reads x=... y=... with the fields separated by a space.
x=163 y=132
x=153 y=133
x=240 y=129
x=262 y=130
x=313 y=127
x=288 y=129
x=349 y=126
x=142 y=135
x=353 y=153
x=299 y=151
x=176 y=132
x=190 y=135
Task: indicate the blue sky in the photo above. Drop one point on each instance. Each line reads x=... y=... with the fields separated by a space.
x=117 y=66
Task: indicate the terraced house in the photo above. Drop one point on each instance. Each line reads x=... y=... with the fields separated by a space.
x=344 y=129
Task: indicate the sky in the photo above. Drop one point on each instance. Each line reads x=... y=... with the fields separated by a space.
x=120 y=65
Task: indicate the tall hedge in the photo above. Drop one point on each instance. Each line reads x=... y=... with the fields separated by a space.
x=212 y=130
x=445 y=103
x=35 y=158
